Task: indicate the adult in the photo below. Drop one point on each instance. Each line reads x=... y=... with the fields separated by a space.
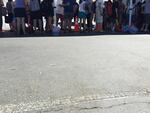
x=20 y=13
x=60 y=13
x=68 y=13
x=48 y=12
x=10 y=10
x=115 y=15
x=1 y=20
x=89 y=14
x=75 y=10
x=99 y=15
x=82 y=13
x=146 y=16
x=121 y=12
x=108 y=15
x=36 y=14
x=139 y=14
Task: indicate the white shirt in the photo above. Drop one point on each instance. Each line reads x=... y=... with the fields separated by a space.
x=59 y=9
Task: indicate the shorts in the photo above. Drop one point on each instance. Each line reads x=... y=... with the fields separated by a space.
x=49 y=13
x=20 y=12
x=99 y=20
x=82 y=15
x=147 y=18
x=36 y=15
x=10 y=17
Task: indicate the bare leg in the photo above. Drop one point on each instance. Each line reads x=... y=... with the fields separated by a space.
x=80 y=23
x=34 y=24
x=143 y=26
x=40 y=24
x=62 y=22
x=146 y=28
x=49 y=23
x=69 y=24
x=18 y=25
x=23 y=25
x=84 y=25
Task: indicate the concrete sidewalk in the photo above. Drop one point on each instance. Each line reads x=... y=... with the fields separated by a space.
x=94 y=74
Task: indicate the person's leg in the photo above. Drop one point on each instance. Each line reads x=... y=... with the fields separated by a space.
x=65 y=23
x=11 y=26
x=84 y=27
x=62 y=22
x=40 y=24
x=143 y=27
x=46 y=24
x=57 y=19
x=146 y=28
x=11 y=22
x=49 y=23
x=18 y=25
x=14 y=24
x=80 y=23
x=89 y=22
x=23 y=25
x=69 y=23
x=1 y=21
x=34 y=24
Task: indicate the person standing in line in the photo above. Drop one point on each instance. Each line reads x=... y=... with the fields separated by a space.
x=82 y=13
x=146 y=23
x=1 y=19
x=47 y=9
x=10 y=11
x=36 y=14
x=68 y=14
x=60 y=13
x=139 y=14
x=121 y=12
x=75 y=11
x=99 y=15
x=108 y=15
x=89 y=14
x=115 y=11
x=20 y=14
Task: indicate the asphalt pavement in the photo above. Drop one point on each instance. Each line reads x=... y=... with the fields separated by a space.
x=88 y=74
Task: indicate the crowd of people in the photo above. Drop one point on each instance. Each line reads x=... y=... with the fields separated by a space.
x=91 y=16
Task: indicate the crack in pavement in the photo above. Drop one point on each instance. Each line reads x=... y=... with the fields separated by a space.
x=80 y=103
x=108 y=107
